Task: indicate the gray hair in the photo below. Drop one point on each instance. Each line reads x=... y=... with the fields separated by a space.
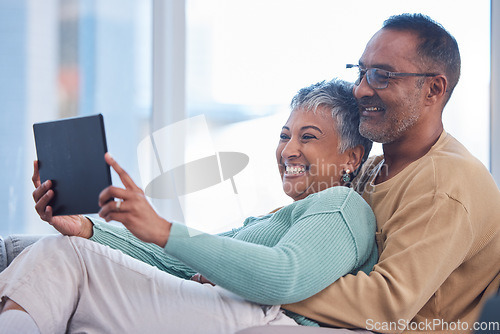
x=335 y=95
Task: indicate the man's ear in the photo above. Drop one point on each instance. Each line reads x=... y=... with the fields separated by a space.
x=437 y=89
x=355 y=156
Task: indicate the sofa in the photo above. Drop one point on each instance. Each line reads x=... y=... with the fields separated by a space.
x=12 y=245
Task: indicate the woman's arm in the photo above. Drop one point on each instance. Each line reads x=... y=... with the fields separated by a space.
x=120 y=238
x=317 y=249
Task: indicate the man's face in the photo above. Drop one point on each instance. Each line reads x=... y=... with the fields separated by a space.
x=389 y=114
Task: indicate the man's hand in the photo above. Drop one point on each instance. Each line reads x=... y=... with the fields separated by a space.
x=67 y=225
x=201 y=279
x=130 y=207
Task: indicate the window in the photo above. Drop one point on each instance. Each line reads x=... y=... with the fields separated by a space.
x=67 y=58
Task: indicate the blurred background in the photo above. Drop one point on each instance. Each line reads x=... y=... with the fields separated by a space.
x=147 y=64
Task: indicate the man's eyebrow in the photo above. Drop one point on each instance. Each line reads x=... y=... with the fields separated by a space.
x=385 y=67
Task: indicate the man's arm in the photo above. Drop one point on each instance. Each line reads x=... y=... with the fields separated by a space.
x=426 y=241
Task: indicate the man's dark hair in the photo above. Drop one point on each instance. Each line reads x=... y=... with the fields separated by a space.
x=436 y=45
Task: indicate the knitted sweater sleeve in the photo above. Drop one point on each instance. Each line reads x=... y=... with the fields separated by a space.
x=316 y=250
x=120 y=238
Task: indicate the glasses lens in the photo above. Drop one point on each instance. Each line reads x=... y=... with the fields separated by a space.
x=361 y=74
x=377 y=79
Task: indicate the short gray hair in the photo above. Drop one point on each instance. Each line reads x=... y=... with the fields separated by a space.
x=335 y=95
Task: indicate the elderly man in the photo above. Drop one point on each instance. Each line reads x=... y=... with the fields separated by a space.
x=437 y=207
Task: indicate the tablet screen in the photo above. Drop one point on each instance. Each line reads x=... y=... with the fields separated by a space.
x=70 y=152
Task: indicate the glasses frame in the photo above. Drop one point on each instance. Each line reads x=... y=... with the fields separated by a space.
x=388 y=74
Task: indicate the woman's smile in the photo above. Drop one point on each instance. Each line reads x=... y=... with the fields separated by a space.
x=295 y=170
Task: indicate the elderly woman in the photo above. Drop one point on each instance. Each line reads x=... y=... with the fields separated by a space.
x=148 y=279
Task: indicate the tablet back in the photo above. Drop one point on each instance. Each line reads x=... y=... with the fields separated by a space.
x=71 y=154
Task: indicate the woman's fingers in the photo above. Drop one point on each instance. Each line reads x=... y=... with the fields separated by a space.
x=36 y=174
x=42 y=190
x=117 y=210
x=115 y=202
x=113 y=210
x=42 y=205
x=124 y=177
x=110 y=208
x=112 y=192
x=42 y=196
x=48 y=214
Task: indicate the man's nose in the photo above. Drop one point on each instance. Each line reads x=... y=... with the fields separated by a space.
x=363 y=89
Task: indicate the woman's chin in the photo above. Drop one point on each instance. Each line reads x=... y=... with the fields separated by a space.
x=297 y=186
x=295 y=194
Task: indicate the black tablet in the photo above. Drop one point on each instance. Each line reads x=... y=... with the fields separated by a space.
x=71 y=153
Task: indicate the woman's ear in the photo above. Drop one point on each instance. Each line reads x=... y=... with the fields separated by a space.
x=355 y=156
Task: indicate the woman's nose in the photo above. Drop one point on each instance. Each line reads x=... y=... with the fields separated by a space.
x=291 y=149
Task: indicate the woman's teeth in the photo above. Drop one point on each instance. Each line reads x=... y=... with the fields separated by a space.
x=295 y=169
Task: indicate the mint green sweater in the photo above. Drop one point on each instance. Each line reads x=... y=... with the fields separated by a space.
x=279 y=258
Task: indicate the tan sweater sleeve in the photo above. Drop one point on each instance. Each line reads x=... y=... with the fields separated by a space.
x=425 y=241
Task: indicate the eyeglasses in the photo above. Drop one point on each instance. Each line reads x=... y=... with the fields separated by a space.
x=379 y=79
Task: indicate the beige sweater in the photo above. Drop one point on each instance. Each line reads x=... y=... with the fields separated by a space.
x=439 y=241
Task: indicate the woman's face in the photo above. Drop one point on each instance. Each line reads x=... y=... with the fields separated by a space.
x=307 y=153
